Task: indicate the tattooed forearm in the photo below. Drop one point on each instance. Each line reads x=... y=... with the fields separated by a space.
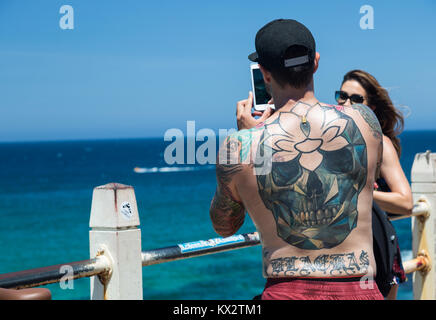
x=227 y=214
x=328 y=264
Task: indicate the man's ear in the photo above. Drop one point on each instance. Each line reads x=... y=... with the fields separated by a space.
x=316 y=62
x=266 y=74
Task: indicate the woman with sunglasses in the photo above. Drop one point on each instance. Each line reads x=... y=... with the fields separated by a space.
x=392 y=190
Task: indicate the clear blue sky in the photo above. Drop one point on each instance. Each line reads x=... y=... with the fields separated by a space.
x=137 y=68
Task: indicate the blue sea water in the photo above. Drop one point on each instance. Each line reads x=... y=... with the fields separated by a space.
x=45 y=200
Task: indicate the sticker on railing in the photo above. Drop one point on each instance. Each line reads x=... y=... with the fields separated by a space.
x=126 y=210
x=204 y=244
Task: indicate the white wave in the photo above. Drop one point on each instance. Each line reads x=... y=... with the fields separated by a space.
x=172 y=169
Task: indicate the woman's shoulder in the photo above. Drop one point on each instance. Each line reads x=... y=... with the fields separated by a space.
x=388 y=147
x=387 y=140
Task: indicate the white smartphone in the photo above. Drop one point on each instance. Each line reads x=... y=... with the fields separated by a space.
x=260 y=94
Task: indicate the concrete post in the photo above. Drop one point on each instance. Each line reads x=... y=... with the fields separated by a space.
x=114 y=233
x=423 y=227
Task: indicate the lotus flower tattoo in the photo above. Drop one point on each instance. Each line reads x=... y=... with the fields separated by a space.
x=318 y=170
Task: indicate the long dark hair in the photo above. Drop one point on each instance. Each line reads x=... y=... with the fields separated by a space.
x=391 y=120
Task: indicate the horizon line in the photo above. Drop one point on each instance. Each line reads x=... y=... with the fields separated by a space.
x=130 y=138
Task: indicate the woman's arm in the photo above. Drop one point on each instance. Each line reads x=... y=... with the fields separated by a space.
x=399 y=200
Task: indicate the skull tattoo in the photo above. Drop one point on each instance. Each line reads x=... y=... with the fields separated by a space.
x=318 y=170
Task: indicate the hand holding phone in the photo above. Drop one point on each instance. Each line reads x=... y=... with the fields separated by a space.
x=244 y=116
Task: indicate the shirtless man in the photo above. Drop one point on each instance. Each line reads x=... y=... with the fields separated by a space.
x=305 y=175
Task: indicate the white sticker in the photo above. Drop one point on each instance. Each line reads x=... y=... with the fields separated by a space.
x=126 y=210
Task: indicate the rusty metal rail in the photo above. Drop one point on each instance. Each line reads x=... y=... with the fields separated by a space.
x=56 y=273
x=420 y=263
x=199 y=248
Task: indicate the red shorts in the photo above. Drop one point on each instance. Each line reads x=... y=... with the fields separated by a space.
x=321 y=289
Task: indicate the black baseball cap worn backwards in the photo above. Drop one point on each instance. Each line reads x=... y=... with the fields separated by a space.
x=276 y=37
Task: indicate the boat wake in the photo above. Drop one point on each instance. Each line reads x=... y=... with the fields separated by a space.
x=172 y=169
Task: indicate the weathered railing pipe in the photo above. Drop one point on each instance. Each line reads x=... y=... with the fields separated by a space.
x=56 y=273
x=420 y=263
x=199 y=248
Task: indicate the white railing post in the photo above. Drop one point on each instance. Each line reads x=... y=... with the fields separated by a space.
x=423 y=227
x=114 y=233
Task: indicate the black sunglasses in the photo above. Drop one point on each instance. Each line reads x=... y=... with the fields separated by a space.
x=342 y=97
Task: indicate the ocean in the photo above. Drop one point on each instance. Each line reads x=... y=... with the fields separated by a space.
x=45 y=200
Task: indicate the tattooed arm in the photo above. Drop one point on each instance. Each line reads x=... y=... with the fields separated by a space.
x=374 y=125
x=227 y=211
x=370 y=118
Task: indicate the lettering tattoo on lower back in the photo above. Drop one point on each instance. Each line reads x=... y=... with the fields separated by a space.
x=344 y=264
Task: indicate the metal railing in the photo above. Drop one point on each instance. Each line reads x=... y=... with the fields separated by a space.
x=199 y=248
x=420 y=263
x=101 y=265
x=52 y=274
